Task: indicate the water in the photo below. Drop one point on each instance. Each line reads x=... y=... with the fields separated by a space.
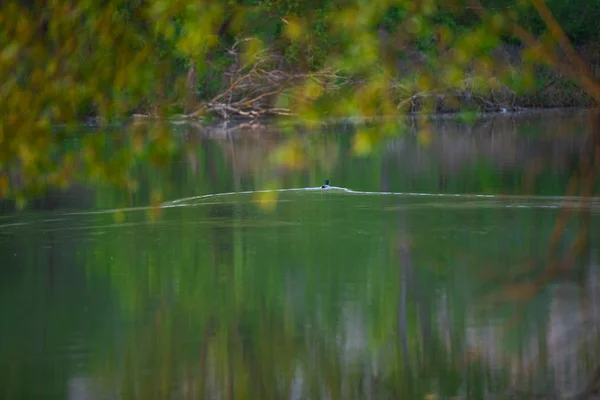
x=430 y=270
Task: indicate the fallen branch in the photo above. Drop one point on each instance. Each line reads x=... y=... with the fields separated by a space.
x=253 y=87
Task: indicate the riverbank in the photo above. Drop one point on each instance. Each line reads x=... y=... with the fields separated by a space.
x=270 y=86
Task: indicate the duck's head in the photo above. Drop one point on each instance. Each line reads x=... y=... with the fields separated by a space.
x=327 y=182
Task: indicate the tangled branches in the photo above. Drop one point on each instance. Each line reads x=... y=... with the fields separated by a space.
x=253 y=87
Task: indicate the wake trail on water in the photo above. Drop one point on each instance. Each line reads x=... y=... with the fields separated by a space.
x=593 y=202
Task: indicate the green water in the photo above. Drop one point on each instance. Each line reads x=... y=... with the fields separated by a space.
x=404 y=282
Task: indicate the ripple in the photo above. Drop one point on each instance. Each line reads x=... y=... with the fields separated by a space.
x=498 y=201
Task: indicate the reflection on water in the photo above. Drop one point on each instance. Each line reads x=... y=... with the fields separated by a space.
x=433 y=270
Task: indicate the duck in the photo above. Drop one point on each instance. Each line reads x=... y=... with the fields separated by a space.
x=326 y=185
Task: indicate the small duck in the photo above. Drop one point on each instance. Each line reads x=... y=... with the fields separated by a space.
x=326 y=185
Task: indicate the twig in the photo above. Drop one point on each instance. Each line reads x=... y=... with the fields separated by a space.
x=253 y=87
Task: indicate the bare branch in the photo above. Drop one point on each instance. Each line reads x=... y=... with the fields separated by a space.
x=254 y=86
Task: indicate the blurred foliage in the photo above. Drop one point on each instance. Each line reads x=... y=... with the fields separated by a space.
x=99 y=62
x=65 y=62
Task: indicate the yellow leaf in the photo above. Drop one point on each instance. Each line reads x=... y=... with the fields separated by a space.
x=347 y=18
x=453 y=76
x=289 y=155
x=119 y=217
x=293 y=29
x=362 y=143
x=251 y=50
x=312 y=90
x=26 y=154
x=424 y=82
x=267 y=200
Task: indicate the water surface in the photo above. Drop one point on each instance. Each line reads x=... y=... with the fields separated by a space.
x=447 y=267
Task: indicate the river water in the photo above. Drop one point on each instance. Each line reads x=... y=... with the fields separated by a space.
x=447 y=262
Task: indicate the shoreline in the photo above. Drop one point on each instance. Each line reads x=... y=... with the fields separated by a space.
x=516 y=112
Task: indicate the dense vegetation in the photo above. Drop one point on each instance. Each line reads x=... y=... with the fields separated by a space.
x=67 y=61
x=110 y=59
